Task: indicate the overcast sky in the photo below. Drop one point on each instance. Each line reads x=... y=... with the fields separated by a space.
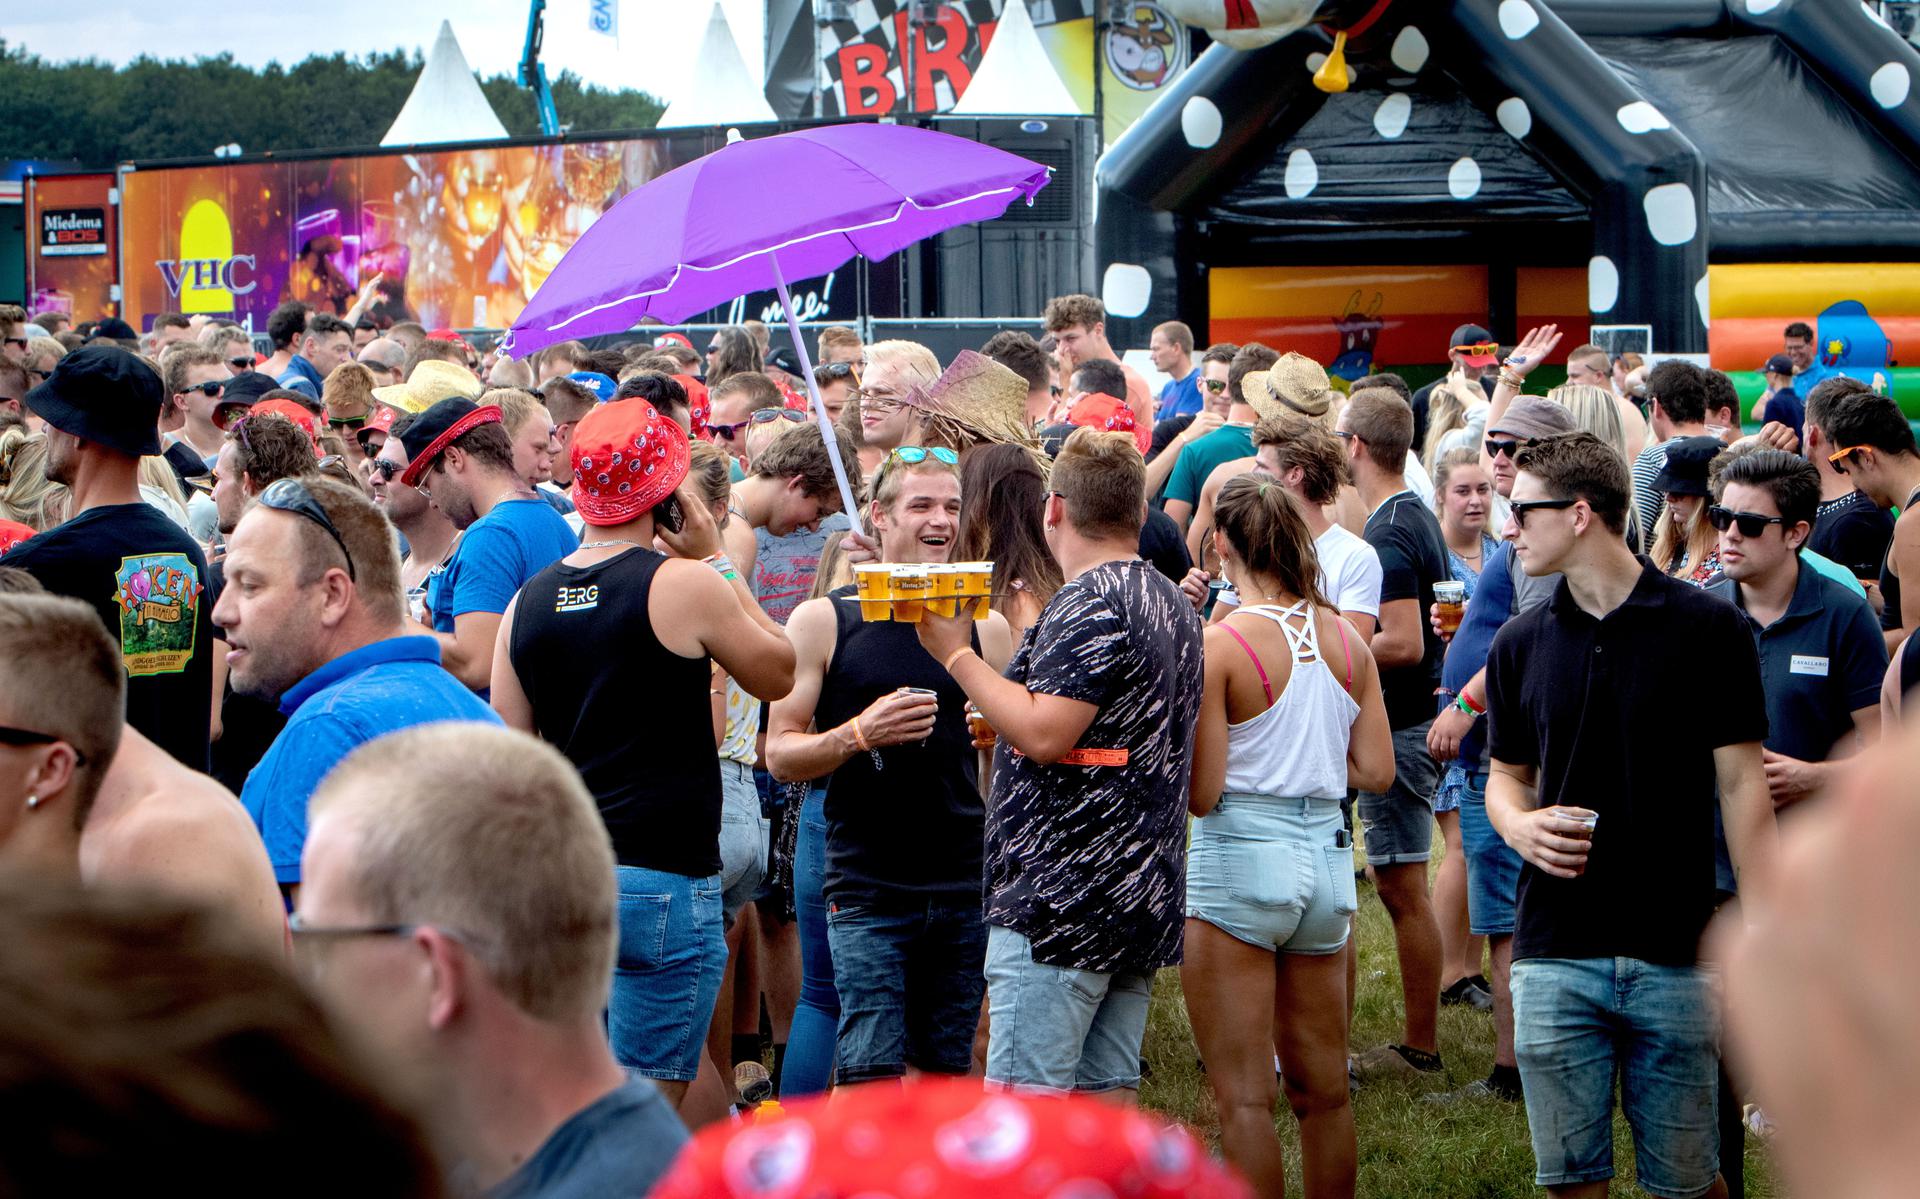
x=658 y=38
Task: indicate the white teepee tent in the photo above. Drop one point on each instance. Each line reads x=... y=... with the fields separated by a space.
x=720 y=91
x=1016 y=78
x=446 y=104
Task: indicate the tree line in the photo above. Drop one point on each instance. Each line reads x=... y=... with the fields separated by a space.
x=98 y=114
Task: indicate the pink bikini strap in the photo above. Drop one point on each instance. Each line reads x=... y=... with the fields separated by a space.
x=1264 y=685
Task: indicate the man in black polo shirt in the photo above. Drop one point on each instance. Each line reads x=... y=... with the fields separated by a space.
x=1377 y=427
x=905 y=821
x=141 y=572
x=1583 y=727
x=1822 y=658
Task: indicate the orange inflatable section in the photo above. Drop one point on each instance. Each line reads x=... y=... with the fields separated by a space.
x=1406 y=313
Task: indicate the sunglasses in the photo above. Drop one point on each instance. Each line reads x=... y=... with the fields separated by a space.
x=291 y=495
x=764 y=416
x=1752 y=524
x=209 y=389
x=241 y=364
x=913 y=455
x=870 y=402
x=1509 y=448
x=17 y=341
x=1479 y=349
x=300 y=928
x=348 y=422
x=1839 y=457
x=20 y=737
x=836 y=370
x=386 y=468
x=1216 y=386
x=1520 y=508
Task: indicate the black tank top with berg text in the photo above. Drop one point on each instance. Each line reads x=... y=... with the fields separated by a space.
x=630 y=714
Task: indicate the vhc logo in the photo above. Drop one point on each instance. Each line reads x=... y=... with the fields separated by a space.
x=208 y=274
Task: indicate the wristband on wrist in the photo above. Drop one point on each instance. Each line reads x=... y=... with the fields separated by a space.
x=948 y=664
x=1463 y=702
x=859 y=738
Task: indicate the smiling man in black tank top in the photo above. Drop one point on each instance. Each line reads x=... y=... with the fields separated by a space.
x=1873 y=443
x=608 y=659
x=905 y=820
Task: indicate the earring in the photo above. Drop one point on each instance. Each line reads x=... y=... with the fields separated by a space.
x=33 y=801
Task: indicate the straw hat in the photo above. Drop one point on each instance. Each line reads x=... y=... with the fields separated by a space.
x=982 y=397
x=1294 y=386
x=431 y=382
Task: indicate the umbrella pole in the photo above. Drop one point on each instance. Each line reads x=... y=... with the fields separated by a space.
x=827 y=434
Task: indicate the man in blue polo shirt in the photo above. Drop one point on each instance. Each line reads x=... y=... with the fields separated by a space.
x=317 y=621
x=1171 y=349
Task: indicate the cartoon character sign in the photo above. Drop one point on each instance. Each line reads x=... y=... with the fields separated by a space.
x=158 y=596
x=1359 y=328
x=1143 y=46
x=1246 y=24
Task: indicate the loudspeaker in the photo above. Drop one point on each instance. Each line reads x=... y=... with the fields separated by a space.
x=1011 y=266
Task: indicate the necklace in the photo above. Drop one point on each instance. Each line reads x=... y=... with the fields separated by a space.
x=600 y=545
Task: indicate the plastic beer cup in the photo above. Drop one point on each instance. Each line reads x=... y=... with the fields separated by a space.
x=912 y=586
x=875 y=581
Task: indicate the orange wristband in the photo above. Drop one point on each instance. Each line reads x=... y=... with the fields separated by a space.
x=859 y=738
x=954 y=656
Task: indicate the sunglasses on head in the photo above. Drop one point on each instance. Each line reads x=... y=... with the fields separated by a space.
x=291 y=495
x=208 y=389
x=1752 y=524
x=837 y=370
x=1520 y=508
x=24 y=737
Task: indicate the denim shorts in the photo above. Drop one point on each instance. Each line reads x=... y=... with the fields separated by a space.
x=667 y=972
x=1493 y=869
x=743 y=837
x=1057 y=1029
x=1399 y=822
x=1578 y=1020
x=909 y=975
x=1273 y=873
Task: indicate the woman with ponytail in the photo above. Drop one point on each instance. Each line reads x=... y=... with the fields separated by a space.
x=1292 y=717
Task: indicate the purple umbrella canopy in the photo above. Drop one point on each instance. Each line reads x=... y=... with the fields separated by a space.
x=757 y=213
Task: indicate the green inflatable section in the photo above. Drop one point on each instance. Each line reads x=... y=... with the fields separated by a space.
x=1903 y=383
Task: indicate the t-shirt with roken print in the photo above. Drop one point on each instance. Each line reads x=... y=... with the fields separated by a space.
x=148 y=581
x=1089 y=862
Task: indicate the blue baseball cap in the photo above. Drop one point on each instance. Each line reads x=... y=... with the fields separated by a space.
x=595 y=382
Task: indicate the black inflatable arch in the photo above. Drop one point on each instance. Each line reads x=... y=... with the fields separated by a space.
x=1543 y=133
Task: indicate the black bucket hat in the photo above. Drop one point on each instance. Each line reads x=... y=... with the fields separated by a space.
x=105 y=395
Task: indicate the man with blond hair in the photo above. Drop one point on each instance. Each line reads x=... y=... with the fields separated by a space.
x=461 y=914
x=892 y=370
x=1172 y=349
x=317 y=622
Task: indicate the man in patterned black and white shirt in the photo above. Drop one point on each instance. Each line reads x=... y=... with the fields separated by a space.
x=1086 y=825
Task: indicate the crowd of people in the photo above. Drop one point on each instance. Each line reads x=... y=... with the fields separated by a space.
x=370 y=653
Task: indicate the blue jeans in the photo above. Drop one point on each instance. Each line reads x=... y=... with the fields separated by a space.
x=666 y=973
x=1054 y=1028
x=816 y=1020
x=1272 y=872
x=1493 y=869
x=909 y=974
x=743 y=837
x=1577 y=1021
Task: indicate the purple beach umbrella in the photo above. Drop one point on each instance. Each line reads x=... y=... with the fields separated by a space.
x=757 y=213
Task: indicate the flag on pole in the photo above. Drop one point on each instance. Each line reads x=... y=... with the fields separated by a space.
x=603 y=16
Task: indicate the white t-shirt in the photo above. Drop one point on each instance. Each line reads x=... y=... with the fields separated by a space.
x=1419 y=482
x=1349 y=573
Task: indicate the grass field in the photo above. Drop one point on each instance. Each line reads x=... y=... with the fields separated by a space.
x=1408 y=1149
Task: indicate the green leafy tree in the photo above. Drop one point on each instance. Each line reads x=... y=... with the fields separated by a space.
x=150 y=109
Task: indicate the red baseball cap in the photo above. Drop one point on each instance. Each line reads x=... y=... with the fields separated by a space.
x=296 y=413
x=949 y=1139
x=699 y=404
x=1102 y=412
x=12 y=533
x=627 y=457
x=670 y=338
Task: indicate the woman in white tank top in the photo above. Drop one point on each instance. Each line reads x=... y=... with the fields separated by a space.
x=1292 y=717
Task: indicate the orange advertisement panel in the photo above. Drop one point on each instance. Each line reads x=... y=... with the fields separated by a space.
x=72 y=247
x=456 y=238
